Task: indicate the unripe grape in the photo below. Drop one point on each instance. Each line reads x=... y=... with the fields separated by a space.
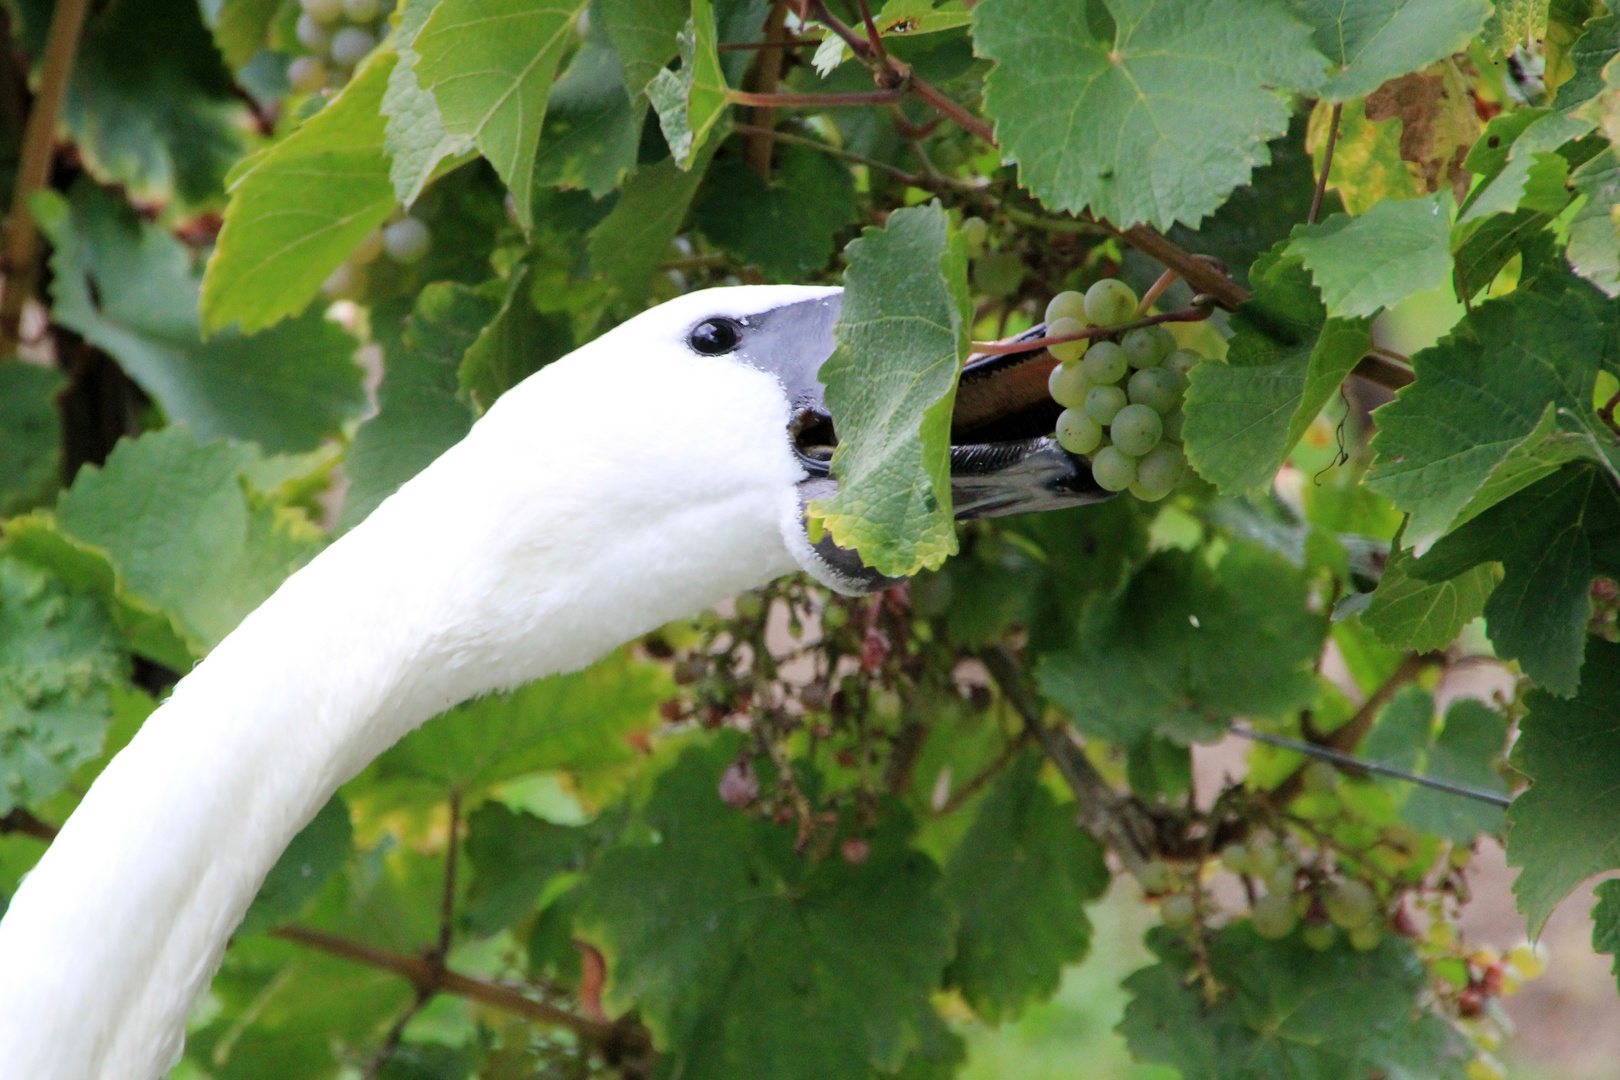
x=1156 y=877
x=1280 y=882
x=1459 y=857
x=1161 y=467
x=343 y=283
x=1235 y=857
x=1486 y=1067
x=1066 y=351
x=1145 y=494
x=1147 y=346
x=360 y=11
x=1136 y=430
x=1068 y=385
x=306 y=74
x=1113 y=470
x=1366 y=937
x=312 y=35
x=1487 y=1039
x=1510 y=982
x=1066 y=305
x=1320 y=937
x=407 y=240
x=1154 y=387
x=1104 y=402
x=1105 y=363
x=1078 y=433
x=1442 y=934
x=1526 y=961
x=368 y=249
x=975 y=231
x=1351 y=903
x=322 y=11
x=1264 y=855
x=1320 y=778
x=1181 y=361
x=1273 y=917
x=1178 y=911
x=1110 y=302
x=350 y=45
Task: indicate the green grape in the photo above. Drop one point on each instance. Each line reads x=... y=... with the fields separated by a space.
x=1181 y=361
x=1161 y=467
x=975 y=231
x=1280 y=882
x=1155 y=387
x=350 y=46
x=1143 y=494
x=1068 y=351
x=1235 y=857
x=1068 y=385
x=1147 y=346
x=1156 y=877
x=1172 y=425
x=306 y=75
x=1104 y=402
x=1273 y=917
x=1320 y=778
x=1351 y=903
x=323 y=11
x=1178 y=911
x=1105 y=363
x=1136 y=430
x=1486 y=1067
x=1110 y=302
x=1459 y=857
x=1113 y=470
x=1320 y=937
x=1078 y=433
x=1066 y=305
x=1365 y=938
x=407 y=240
x=1264 y=855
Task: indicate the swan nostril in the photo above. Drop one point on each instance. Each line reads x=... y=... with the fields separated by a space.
x=813 y=438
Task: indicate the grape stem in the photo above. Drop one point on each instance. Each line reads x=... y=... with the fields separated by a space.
x=813 y=101
x=1156 y=290
x=1001 y=348
x=1327 y=165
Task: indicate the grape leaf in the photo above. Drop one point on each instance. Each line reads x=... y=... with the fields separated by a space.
x=131 y=288
x=592 y=130
x=1364 y=264
x=1183 y=648
x=1491 y=246
x=415 y=136
x=1507 y=170
x=1369 y=43
x=1022 y=853
x=627 y=245
x=59 y=654
x=1561 y=829
x=313 y=856
x=1465 y=752
x=489 y=65
x=691 y=101
x=1283 y=363
x=419 y=414
x=156 y=113
x=515 y=343
x=747 y=959
x=643 y=33
x=1594 y=235
x=891 y=384
x=1606 y=921
x=1289 y=1012
x=581 y=721
x=1518 y=403
x=786 y=227
x=30 y=435
x=1157 y=124
x=1409 y=613
x=513 y=856
x=185 y=538
x=1367 y=165
x=1552 y=538
x=298 y=209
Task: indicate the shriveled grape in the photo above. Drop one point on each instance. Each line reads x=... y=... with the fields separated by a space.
x=1110 y=302
x=1066 y=305
x=1113 y=470
x=1105 y=363
x=1078 y=433
x=1136 y=429
x=1066 y=351
x=1147 y=346
x=1104 y=402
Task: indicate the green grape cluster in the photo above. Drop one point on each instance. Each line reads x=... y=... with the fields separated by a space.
x=405 y=241
x=337 y=34
x=1293 y=894
x=1121 y=393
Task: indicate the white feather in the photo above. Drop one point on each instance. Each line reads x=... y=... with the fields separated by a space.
x=630 y=483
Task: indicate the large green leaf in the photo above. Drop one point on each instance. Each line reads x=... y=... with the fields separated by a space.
x=513 y=856
x=1363 y=264
x=746 y=958
x=1407 y=612
x=59 y=654
x=1561 y=829
x=515 y=343
x=690 y=102
x=489 y=65
x=786 y=227
x=1594 y=236
x=1465 y=752
x=1024 y=854
x=1289 y=1012
x=298 y=209
x=313 y=856
x=627 y=246
x=183 y=534
x=643 y=33
x=1156 y=121
x=415 y=137
x=132 y=288
x=1283 y=363
x=242 y=28
x=891 y=384
x=1606 y=921
x=1372 y=41
x=30 y=435
x=1552 y=539
x=1183 y=648
x=593 y=127
x=1517 y=402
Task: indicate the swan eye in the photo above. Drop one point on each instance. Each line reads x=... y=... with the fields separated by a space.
x=714 y=336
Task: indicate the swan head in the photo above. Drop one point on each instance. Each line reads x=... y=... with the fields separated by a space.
x=1003 y=458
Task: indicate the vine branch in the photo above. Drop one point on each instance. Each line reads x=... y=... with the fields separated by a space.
x=997 y=348
x=1327 y=166
x=20 y=821
x=813 y=101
